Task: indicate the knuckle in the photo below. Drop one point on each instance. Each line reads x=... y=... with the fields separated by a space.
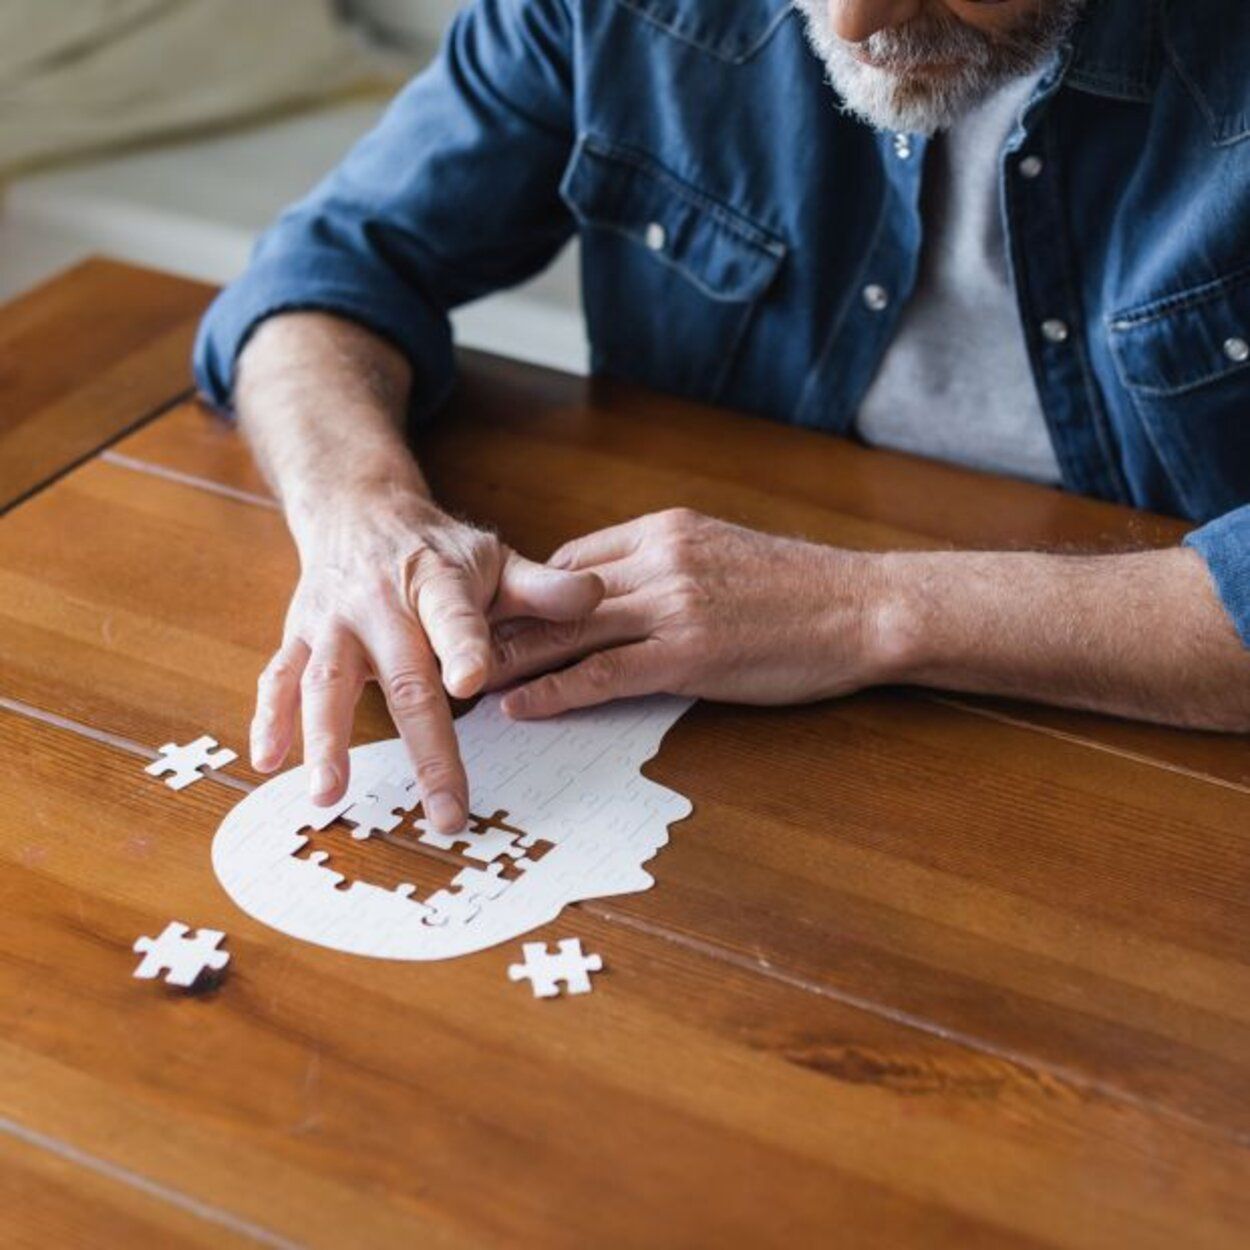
x=413 y=694
x=276 y=675
x=676 y=520
x=434 y=772
x=601 y=671
x=445 y=610
x=566 y=634
x=323 y=675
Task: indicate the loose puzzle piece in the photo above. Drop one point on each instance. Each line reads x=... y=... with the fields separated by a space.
x=545 y=971
x=181 y=957
x=381 y=810
x=184 y=762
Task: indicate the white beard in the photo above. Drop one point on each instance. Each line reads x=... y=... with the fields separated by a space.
x=907 y=98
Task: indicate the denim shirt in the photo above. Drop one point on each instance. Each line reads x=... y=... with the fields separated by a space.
x=746 y=243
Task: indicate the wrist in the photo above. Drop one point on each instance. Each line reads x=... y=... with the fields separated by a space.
x=898 y=633
x=317 y=500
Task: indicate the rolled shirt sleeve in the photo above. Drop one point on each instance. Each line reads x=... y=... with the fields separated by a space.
x=1225 y=545
x=453 y=194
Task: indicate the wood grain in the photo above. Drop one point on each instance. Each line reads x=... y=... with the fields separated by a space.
x=689 y=1101
x=84 y=358
x=918 y=971
x=1082 y=912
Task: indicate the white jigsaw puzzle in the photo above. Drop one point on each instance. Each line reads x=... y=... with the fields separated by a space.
x=183 y=958
x=485 y=847
x=452 y=907
x=545 y=972
x=184 y=763
x=568 y=790
x=381 y=810
x=485 y=882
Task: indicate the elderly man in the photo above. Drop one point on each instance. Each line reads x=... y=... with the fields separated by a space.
x=1013 y=234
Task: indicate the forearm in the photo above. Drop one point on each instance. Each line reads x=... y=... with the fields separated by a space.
x=321 y=401
x=1141 y=635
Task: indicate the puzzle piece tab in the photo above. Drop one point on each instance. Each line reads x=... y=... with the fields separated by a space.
x=484 y=846
x=183 y=763
x=545 y=971
x=381 y=810
x=184 y=959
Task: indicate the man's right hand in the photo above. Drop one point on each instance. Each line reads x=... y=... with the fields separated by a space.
x=392 y=589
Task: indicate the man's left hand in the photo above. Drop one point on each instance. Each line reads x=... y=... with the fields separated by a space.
x=700 y=607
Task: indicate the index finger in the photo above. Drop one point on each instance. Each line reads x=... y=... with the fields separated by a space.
x=407 y=671
x=600 y=547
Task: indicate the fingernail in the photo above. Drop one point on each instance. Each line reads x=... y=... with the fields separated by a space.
x=323 y=780
x=261 y=751
x=445 y=811
x=461 y=672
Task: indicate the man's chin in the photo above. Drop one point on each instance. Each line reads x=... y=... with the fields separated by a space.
x=918 y=100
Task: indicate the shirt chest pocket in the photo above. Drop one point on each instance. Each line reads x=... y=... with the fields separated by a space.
x=1185 y=360
x=670 y=275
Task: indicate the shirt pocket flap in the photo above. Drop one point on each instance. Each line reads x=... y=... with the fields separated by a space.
x=1181 y=342
x=719 y=251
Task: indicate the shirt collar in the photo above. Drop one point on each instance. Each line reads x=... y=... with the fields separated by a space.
x=1117 y=49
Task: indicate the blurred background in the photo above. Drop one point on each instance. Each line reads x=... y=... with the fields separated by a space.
x=169 y=132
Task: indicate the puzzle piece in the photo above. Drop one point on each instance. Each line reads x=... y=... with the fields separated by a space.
x=486 y=846
x=545 y=971
x=318 y=860
x=481 y=883
x=381 y=810
x=402 y=798
x=181 y=957
x=185 y=762
x=452 y=907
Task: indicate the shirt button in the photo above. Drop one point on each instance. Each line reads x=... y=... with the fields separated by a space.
x=876 y=297
x=1031 y=166
x=1055 y=331
x=656 y=237
x=1237 y=350
x=902 y=146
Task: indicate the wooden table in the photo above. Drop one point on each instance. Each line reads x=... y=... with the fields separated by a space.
x=919 y=971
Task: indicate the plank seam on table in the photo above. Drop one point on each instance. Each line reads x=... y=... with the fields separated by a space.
x=194 y=482
x=154 y=1189
x=1063 y=735
x=188 y=479
x=711 y=950
x=137 y=424
x=104 y=737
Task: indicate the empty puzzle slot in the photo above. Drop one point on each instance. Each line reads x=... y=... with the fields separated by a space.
x=377 y=862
